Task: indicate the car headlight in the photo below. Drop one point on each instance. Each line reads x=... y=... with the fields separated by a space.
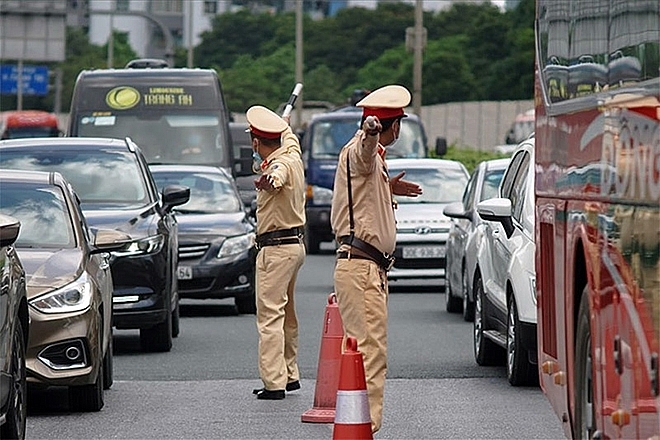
x=321 y=196
x=236 y=245
x=149 y=245
x=73 y=297
x=532 y=281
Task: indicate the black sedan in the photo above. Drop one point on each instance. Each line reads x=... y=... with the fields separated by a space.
x=117 y=191
x=216 y=237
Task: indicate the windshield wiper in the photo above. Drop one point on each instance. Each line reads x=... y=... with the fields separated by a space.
x=192 y=211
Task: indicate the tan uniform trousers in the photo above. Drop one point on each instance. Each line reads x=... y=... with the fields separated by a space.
x=277 y=270
x=362 y=290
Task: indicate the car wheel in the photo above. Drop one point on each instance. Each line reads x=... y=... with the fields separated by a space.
x=176 y=316
x=158 y=337
x=519 y=370
x=88 y=398
x=312 y=242
x=468 y=306
x=584 y=423
x=452 y=304
x=14 y=426
x=486 y=352
x=108 y=366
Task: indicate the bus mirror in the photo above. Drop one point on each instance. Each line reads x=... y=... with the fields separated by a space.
x=440 y=146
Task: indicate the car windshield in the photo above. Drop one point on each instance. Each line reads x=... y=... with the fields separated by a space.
x=98 y=176
x=329 y=137
x=439 y=185
x=491 y=184
x=42 y=211
x=209 y=192
x=163 y=138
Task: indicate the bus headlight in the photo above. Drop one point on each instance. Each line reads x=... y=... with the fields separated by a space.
x=73 y=297
x=236 y=245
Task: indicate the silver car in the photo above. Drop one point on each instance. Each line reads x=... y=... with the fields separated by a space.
x=464 y=238
x=421 y=228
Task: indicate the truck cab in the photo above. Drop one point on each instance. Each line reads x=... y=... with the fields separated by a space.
x=18 y=124
x=322 y=140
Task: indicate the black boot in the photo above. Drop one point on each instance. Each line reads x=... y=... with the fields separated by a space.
x=264 y=394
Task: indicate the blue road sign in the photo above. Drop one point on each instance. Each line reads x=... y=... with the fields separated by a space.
x=34 y=80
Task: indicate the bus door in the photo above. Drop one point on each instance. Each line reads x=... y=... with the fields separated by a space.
x=551 y=334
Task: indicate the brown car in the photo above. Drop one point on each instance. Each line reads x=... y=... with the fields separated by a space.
x=69 y=286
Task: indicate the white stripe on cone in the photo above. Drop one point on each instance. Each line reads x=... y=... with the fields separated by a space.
x=352 y=407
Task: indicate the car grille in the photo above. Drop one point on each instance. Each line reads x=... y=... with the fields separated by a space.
x=192 y=251
x=196 y=284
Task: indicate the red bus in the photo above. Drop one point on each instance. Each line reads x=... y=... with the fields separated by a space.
x=597 y=130
x=28 y=123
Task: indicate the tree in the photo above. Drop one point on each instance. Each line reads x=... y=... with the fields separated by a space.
x=266 y=80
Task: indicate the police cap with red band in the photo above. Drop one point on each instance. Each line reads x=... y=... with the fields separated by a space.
x=265 y=123
x=385 y=103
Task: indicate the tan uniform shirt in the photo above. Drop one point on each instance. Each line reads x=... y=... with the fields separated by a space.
x=373 y=212
x=284 y=206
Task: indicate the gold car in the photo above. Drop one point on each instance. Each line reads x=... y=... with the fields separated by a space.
x=69 y=286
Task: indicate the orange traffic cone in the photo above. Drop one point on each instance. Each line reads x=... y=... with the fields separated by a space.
x=327 y=376
x=352 y=417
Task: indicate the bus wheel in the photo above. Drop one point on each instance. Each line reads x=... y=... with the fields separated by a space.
x=584 y=423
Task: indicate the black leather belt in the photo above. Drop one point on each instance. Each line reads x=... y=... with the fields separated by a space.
x=281 y=236
x=347 y=255
x=384 y=260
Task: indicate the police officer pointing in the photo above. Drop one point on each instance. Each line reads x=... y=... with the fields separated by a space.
x=362 y=219
x=280 y=226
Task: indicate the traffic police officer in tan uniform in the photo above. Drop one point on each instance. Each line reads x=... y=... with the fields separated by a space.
x=280 y=225
x=363 y=222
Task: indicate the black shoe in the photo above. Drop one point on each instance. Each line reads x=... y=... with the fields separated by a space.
x=264 y=394
x=293 y=386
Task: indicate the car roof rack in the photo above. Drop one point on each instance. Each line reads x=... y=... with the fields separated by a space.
x=147 y=63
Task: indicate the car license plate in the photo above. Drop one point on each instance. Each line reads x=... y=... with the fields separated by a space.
x=184 y=273
x=414 y=252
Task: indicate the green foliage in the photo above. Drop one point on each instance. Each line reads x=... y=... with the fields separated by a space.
x=474 y=52
x=469 y=157
x=266 y=80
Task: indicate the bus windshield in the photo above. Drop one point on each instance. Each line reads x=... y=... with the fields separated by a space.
x=193 y=138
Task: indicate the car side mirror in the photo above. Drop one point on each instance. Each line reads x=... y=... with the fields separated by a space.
x=497 y=209
x=175 y=195
x=440 y=146
x=243 y=165
x=455 y=210
x=106 y=240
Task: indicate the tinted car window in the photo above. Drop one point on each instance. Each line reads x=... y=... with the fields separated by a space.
x=97 y=176
x=519 y=187
x=438 y=185
x=468 y=195
x=208 y=192
x=491 y=184
x=45 y=221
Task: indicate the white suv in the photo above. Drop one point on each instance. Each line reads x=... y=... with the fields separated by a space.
x=504 y=286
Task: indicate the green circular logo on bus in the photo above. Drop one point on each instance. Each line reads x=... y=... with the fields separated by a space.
x=122 y=98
